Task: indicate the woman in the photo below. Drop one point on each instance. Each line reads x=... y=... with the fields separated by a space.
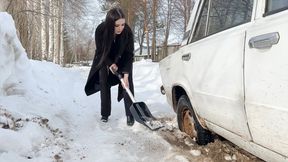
x=114 y=52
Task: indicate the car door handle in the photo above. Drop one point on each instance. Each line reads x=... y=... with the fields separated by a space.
x=186 y=57
x=264 y=41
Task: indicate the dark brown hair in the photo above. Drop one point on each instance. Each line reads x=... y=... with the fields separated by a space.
x=108 y=35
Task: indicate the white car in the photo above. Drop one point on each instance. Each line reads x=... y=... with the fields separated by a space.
x=230 y=76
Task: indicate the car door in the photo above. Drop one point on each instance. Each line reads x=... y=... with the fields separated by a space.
x=213 y=63
x=266 y=76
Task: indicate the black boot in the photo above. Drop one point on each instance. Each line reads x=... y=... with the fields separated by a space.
x=130 y=120
x=104 y=119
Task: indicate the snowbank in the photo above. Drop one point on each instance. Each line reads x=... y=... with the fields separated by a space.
x=13 y=59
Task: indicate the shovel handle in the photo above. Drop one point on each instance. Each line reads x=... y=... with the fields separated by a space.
x=118 y=74
x=124 y=86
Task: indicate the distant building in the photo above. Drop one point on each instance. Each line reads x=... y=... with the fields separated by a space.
x=138 y=56
x=171 y=48
x=159 y=52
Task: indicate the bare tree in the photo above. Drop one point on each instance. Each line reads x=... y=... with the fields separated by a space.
x=74 y=12
x=49 y=31
x=154 y=18
x=40 y=25
x=184 y=8
x=139 y=28
x=129 y=7
x=146 y=29
x=169 y=13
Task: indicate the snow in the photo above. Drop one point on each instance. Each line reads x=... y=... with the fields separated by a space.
x=48 y=117
x=195 y=152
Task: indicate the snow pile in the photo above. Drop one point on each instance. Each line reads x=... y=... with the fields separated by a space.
x=13 y=60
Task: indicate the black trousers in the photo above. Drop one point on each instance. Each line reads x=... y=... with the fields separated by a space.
x=105 y=93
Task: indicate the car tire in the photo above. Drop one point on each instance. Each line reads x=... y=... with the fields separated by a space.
x=188 y=122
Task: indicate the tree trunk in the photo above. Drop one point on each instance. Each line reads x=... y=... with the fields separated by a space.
x=146 y=30
x=154 y=12
x=60 y=35
x=51 y=31
x=167 y=29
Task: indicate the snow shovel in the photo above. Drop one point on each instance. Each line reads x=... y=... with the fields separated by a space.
x=140 y=111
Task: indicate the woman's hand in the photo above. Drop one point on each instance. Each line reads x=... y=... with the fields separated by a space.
x=113 y=68
x=126 y=81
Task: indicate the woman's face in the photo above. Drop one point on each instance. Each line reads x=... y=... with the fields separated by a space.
x=119 y=26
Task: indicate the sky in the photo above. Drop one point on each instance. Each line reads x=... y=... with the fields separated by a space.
x=46 y=116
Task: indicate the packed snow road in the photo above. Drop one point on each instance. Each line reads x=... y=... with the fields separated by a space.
x=67 y=125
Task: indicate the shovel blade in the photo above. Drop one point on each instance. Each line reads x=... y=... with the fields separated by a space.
x=142 y=114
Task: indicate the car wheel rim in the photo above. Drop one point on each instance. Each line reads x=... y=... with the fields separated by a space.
x=189 y=124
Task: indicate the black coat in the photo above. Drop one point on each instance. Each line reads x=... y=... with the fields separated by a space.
x=123 y=51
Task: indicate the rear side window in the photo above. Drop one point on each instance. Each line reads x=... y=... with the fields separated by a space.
x=218 y=15
x=274 y=6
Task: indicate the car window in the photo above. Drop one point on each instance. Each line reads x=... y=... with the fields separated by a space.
x=201 y=24
x=274 y=6
x=218 y=15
